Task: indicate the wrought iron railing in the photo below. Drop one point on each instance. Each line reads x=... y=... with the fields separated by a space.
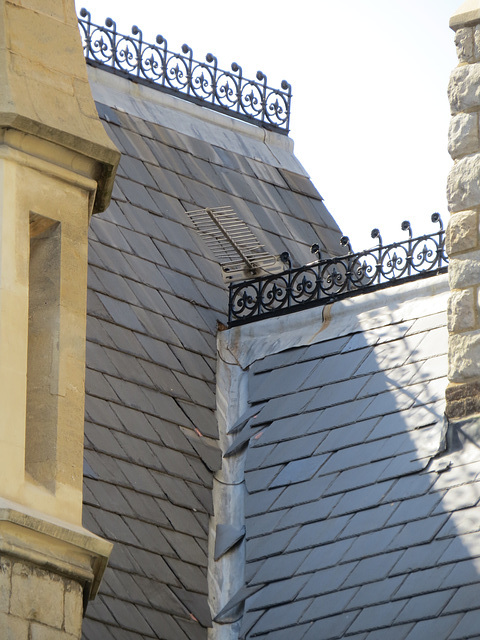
x=325 y=281
x=179 y=73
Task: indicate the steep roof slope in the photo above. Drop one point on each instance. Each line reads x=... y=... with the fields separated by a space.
x=358 y=524
x=155 y=295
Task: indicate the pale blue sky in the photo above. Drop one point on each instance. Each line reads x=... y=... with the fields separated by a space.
x=369 y=111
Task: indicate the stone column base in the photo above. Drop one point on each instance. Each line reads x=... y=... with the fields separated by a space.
x=48 y=571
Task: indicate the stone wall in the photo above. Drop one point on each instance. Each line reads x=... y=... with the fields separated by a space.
x=36 y=604
x=463 y=193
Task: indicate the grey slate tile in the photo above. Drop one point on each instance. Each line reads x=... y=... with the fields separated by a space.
x=190 y=576
x=421 y=556
x=361 y=476
x=377 y=592
x=288 y=428
x=279 y=592
x=338 y=393
x=226 y=537
x=327 y=555
x=270 y=544
x=326 y=580
x=114 y=527
x=347 y=436
x=95 y=630
x=134 y=422
x=418 y=532
x=278 y=568
x=97 y=383
x=379 y=616
x=368 y=520
x=460 y=497
x=332 y=627
x=438 y=628
x=424 y=581
x=429 y=605
x=305 y=492
x=464 y=599
x=298 y=471
x=359 y=499
x=462 y=547
x=329 y=605
x=160 y=596
x=394 y=633
x=468 y=627
x=128 y=616
x=372 y=569
x=372 y=543
x=170 y=630
x=100 y=411
x=281 y=616
x=301 y=447
x=317 y=533
x=305 y=513
x=416 y=508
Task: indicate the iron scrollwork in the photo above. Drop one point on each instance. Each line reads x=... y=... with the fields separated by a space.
x=200 y=82
x=325 y=281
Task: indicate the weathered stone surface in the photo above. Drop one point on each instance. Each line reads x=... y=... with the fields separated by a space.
x=461 y=310
x=464 y=270
x=462 y=232
x=476 y=38
x=463 y=135
x=5 y=581
x=37 y=595
x=463 y=184
x=73 y=608
x=464 y=88
x=40 y=632
x=464 y=356
x=12 y=628
x=464 y=43
x=462 y=400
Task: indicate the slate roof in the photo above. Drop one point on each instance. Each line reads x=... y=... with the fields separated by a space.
x=155 y=295
x=358 y=524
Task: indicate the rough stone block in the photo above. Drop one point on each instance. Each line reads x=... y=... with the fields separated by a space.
x=464 y=270
x=73 y=608
x=41 y=632
x=464 y=88
x=12 y=628
x=37 y=595
x=461 y=310
x=464 y=43
x=5 y=584
x=462 y=232
x=464 y=356
x=476 y=38
x=463 y=184
x=463 y=400
x=463 y=135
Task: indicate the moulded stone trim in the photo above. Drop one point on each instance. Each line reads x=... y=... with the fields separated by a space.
x=467 y=14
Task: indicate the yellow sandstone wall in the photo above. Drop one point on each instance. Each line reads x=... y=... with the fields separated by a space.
x=57 y=166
